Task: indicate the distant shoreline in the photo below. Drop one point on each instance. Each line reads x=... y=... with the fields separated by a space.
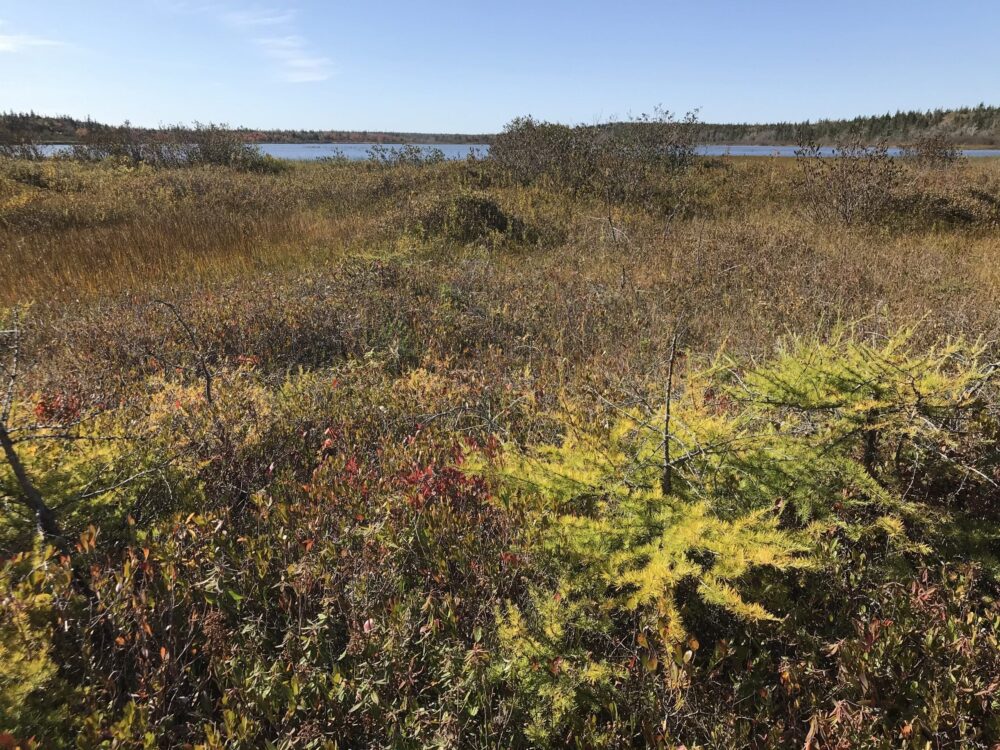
x=966 y=128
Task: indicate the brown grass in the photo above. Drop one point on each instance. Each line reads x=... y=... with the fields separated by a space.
x=361 y=326
x=327 y=260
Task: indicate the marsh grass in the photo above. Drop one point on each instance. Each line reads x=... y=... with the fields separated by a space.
x=279 y=375
x=748 y=257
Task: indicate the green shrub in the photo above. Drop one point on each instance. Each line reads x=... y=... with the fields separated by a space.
x=350 y=557
x=837 y=460
x=35 y=700
x=470 y=218
x=615 y=161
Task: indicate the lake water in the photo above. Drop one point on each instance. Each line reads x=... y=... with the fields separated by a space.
x=360 y=151
x=313 y=151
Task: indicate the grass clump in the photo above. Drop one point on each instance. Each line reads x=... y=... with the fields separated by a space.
x=472 y=218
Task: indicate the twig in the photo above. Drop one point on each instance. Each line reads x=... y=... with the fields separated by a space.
x=667 y=479
x=202 y=362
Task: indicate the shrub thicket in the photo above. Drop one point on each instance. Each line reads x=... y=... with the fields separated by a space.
x=932 y=151
x=854 y=185
x=173 y=147
x=617 y=162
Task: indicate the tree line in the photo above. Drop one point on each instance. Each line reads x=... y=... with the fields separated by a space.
x=31 y=127
x=979 y=125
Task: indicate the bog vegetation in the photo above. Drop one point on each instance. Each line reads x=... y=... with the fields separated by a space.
x=590 y=443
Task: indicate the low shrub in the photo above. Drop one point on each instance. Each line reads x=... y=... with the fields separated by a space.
x=23 y=151
x=932 y=152
x=352 y=558
x=615 y=161
x=839 y=459
x=472 y=218
x=174 y=147
x=948 y=206
x=854 y=185
x=407 y=155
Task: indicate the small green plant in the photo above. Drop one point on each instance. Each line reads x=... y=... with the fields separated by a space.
x=838 y=438
x=472 y=218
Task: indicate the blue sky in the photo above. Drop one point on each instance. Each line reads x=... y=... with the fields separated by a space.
x=472 y=66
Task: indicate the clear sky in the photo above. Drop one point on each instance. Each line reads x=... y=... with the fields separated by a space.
x=472 y=66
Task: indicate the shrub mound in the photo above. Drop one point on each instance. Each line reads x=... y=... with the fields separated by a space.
x=472 y=217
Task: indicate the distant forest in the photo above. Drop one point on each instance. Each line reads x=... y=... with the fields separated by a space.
x=31 y=127
x=966 y=126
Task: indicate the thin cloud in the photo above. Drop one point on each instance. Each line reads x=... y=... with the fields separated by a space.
x=295 y=59
x=186 y=6
x=297 y=64
x=251 y=18
x=21 y=42
x=272 y=29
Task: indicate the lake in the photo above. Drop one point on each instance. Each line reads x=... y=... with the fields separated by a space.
x=355 y=151
x=360 y=151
